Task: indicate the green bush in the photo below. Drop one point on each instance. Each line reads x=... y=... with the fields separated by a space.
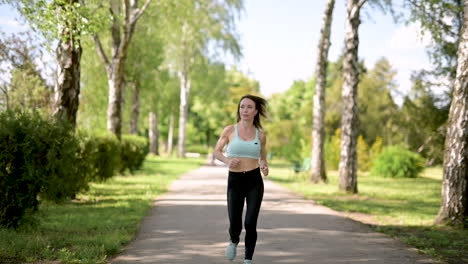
x=194 y=148
x=64 y=174
x=36 y=160
x=397 y=162
x=133 y=152
x=100 y=153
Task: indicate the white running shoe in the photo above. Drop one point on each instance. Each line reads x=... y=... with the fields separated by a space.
x=231 y=250
x=247 y=261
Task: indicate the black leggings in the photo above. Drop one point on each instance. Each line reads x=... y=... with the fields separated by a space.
x=244 y=186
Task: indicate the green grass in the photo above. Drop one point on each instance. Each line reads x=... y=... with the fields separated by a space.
x=403 y=208
x=98 y=223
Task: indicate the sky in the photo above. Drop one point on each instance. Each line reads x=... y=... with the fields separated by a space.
x=279 y=41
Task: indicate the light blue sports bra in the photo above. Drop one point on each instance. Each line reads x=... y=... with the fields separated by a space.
x=239 y=148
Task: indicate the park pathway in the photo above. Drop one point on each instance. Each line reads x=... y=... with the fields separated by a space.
x=188 y=225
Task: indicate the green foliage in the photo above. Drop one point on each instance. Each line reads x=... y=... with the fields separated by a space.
x=197 y=148
x=100 y=152
x=332 y=151
x=363 y=155
x=92 y=110
x=441 y=20
x=133 y=152
x=290 y=125
x=422 y=119
x=397 y=162
x=26 y=89
x=52 y=17
x=37 y=160
x=377 y=109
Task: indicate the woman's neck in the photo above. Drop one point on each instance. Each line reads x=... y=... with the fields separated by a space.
x=246 y=124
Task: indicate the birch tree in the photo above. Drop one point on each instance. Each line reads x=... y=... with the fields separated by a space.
x=318 y=172
x=454 y=207
x=124 y=16
x=198 y=25
x=65 y=21
x=349 y=119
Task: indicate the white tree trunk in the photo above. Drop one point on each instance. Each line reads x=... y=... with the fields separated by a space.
x=114 y=107
x=170 y=136
x=454 y=207
x=318 y=172
x=125 y=15
x=153 y=133
x=183 y=112
x=349 y=119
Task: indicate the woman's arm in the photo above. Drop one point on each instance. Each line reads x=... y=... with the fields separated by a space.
x=218 y=150
x=263 y=160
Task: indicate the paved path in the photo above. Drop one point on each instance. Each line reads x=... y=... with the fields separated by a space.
x=188 y=225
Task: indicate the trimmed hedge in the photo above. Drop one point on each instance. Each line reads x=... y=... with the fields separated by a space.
x=133 y=152
x=101 y=153
x=43 y=159
x=397 y=162
x=37 y=159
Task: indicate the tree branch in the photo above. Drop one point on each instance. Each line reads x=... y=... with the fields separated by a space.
x=360 y=4
x=138 y=12
x=101 y=52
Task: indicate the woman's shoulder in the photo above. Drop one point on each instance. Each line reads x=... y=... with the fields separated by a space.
x=261 y=133
x=228 y=129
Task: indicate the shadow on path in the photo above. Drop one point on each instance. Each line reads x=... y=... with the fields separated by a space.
x=188 y=225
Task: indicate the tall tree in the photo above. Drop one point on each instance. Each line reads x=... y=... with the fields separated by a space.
x=454 y=207
x=318 y=172
x=198 y=25
x=65 y=21
x=377 y=109
x=124 y=16
x=349 y=119
x=67 y=87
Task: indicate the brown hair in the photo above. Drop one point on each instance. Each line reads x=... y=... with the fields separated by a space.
x=260 y=105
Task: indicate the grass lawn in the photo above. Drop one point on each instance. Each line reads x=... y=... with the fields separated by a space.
x=98 y=223
x=402 y=208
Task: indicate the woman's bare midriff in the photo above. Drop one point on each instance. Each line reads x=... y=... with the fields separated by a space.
x=245 y=164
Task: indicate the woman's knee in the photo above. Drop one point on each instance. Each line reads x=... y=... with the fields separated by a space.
x=250 y=225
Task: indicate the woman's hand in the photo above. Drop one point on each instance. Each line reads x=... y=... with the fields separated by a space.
x=233 y=163
x=264 y=167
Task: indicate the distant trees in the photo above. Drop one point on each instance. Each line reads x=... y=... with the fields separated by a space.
x=26 y=88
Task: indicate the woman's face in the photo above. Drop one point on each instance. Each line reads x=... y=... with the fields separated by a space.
x=247 y=110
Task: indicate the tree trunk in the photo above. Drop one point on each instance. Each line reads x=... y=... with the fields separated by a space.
x=170 y=136
x=454 y=207
x=318 y=172
x=124 y=18
x=135 y=108
x=183 y=111
x=153 y=133
x=114 y=107
x=349 y=119
x=67 y=87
